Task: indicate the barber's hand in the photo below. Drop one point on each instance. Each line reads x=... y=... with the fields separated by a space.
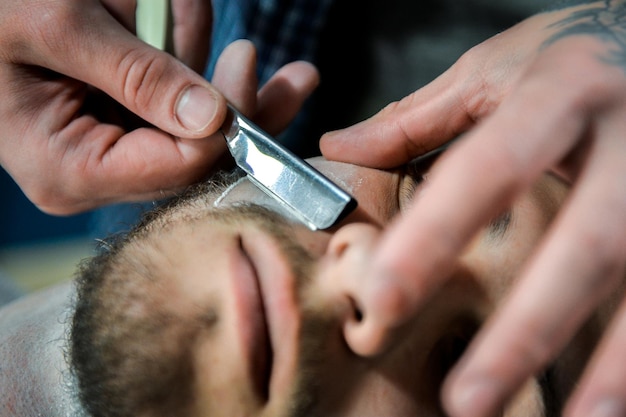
x=280 y=99
x=89 y=114
x=548 y=94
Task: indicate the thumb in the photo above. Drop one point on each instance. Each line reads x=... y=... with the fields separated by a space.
x=96 y=49
x=403 y=130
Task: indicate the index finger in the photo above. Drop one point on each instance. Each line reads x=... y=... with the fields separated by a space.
x=477 y=179
x=405 y=129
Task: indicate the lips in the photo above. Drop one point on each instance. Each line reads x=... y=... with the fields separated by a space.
x=252 y=323
x=276 y=286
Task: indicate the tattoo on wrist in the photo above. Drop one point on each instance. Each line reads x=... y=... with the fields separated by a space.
x=605 y=20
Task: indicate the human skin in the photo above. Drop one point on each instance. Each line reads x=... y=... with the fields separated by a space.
x=73 y=73
x=545 y=95
x=92 y=115
x=396 y=383
x=241 y=273
x=221 y=271
x=34 y=378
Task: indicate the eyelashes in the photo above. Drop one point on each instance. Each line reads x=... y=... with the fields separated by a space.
x=413 y=177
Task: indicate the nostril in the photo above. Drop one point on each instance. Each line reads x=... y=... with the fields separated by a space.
x=450 y=347
x=357 y=312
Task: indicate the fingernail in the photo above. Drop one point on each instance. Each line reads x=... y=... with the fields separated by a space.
x=196 y=108
x=473 y=399
x=608 y=408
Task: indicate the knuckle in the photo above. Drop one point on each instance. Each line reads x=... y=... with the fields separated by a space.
x=143 y=73
x=55 y=197
x=66 y=192
x=476 y=93
x=49 y=199
x=398 y=125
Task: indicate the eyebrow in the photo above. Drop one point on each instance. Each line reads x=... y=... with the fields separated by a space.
x=500 y=225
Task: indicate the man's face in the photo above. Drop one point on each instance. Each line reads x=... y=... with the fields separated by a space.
x=274 y=289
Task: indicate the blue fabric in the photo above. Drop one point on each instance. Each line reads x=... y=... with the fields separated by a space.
x=285 y=31
x=116 y=218
x=230 y=20
x=282 y=30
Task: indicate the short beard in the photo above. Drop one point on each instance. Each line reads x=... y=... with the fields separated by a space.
x=129 y=349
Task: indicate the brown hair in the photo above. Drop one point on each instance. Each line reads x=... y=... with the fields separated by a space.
x=130 y=348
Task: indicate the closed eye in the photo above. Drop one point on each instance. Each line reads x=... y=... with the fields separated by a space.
x=413 y=176
x=415 y=173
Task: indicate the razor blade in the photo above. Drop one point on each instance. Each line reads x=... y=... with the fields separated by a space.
x=303 y=191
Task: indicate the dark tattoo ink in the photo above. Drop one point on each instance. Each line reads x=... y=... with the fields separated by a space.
x=564 y=4
x=604 y=20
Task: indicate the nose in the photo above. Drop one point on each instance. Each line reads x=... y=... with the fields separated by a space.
x=376 y=309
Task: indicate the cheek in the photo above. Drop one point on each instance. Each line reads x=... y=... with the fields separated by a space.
x=219 y=390
x=376 y=395
x=494 y=263
x=497 y=261
x=314 y=243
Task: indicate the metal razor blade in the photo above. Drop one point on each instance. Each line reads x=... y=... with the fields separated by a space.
x=299 y=188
